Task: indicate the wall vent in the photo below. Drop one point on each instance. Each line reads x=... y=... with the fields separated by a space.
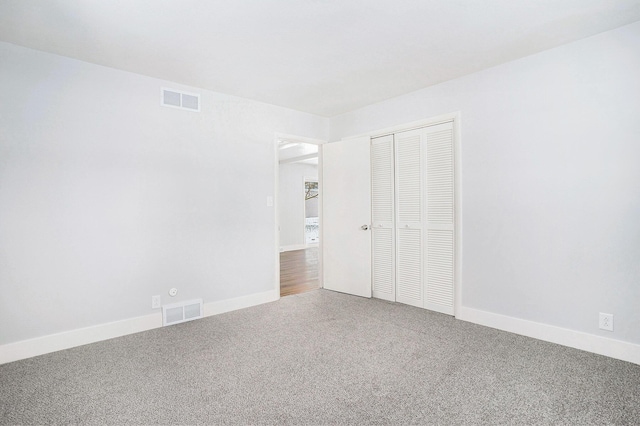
x=176 y=99
x=176 y=313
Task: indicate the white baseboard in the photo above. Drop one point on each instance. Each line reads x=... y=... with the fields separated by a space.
x=82 y=336
x=617 y=349
x=55 y=342
x=228 y=305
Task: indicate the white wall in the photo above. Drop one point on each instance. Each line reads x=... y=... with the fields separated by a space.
x=550 y=181
x=107 y=198
x=291 y=202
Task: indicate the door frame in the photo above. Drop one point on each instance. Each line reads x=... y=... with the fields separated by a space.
x=454 y=117
x=297 y=139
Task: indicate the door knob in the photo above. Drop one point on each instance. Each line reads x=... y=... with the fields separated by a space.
x=365 y=227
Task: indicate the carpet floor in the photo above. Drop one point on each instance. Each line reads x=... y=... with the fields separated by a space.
x=321 y=358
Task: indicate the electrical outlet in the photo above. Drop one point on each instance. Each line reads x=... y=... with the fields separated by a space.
x=156 y=302
x=606 y=321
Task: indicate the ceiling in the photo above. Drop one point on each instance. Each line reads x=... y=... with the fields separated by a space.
x=325 y=57
x=297 y=152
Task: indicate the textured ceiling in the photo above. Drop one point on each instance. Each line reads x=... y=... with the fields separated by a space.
x=325 y=57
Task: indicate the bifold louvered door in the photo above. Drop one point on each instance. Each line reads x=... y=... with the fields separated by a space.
x=413 y=217
x=440 y=229
x=409 y=216
x=382 y=213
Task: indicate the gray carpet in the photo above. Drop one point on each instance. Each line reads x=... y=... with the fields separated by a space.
x=321 y=358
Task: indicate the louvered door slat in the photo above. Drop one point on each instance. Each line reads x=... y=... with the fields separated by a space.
x=439 y=288
x=408 y=176
x=382 y=179
x=382 y=212
x=383 y=264
x=440 y=236
x=409 y=268
x=409 y=217
x=413 y=217
x=440 y=183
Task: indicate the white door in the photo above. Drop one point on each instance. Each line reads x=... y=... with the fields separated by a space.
x=409 y=147
x=413 y=227
x=346 y=212
x=382 y=218
x=440 y=223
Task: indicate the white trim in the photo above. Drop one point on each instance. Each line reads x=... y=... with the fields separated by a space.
x=444 y=118
x=300 y=158
x=276 y=213
x=82 y=336
x=320 y=216
x=617 y=349
x=457 y=201
x=297 y=139
x=228 y=305
x=294 y=247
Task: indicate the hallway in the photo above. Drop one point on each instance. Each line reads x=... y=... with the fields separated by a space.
x=299 y=271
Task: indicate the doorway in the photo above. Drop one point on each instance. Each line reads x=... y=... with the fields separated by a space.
x=298 y=215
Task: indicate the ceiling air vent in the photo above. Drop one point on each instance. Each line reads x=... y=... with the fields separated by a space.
x=181 y=312
x=176 y=99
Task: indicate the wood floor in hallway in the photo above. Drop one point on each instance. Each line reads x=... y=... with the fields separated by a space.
x=299 y=271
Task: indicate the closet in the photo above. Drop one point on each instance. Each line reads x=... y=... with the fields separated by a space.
x=413 y=226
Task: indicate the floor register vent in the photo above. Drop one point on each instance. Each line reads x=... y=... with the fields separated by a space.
x=181 y=312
